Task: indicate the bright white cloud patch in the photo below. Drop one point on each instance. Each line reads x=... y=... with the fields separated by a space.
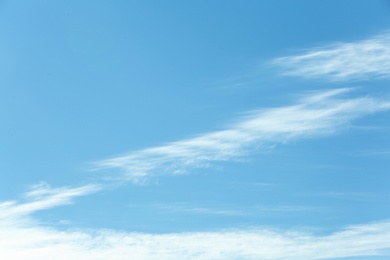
x=320 y=113
x=22 y=238
x=35 y=242
x=362 y=60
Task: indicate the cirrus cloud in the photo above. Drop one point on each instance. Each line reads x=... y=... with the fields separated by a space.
x=316 y=114
x=364 y=60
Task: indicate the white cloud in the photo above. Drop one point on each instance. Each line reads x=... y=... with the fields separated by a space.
x=362 y=60
x=22 y=238
x=35 y=242
x=319 y=113
x=42 y=197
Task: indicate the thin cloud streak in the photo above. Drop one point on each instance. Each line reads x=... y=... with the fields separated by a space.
x=316 y=114
x=42 y=197
x=364 y=60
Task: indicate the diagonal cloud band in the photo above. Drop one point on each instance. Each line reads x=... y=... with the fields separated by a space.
x=42 y=197
x=368 y=59
x=320 y=113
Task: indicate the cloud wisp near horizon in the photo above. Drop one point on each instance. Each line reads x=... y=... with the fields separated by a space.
x=363 y=60
x=316 y=114
x=23 y=238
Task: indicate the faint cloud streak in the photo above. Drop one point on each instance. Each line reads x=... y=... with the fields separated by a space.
x=42 y=197
x=316 y=114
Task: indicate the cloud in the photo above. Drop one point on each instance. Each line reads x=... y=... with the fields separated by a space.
x=35 y=242
x=30 y=240
x=315 y=114
x=364 y=60
x=41 y=197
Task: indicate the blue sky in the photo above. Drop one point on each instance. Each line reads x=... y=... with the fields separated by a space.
x=194 y=130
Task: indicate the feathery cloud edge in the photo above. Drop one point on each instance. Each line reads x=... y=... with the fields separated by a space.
x=365 y=60
x=22 y=238
x=316 y=114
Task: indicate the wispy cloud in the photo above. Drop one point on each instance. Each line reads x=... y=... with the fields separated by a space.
x=41 y=197
x=320 y=113
x=36 y=242
x=363 y=60
x=30 y=240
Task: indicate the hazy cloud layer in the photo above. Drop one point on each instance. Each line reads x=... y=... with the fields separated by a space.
x=320 y=113
x=35 y=242
x=364 y=60
x=23 y=238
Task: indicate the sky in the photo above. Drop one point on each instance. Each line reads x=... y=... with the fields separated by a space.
x=194 y=129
